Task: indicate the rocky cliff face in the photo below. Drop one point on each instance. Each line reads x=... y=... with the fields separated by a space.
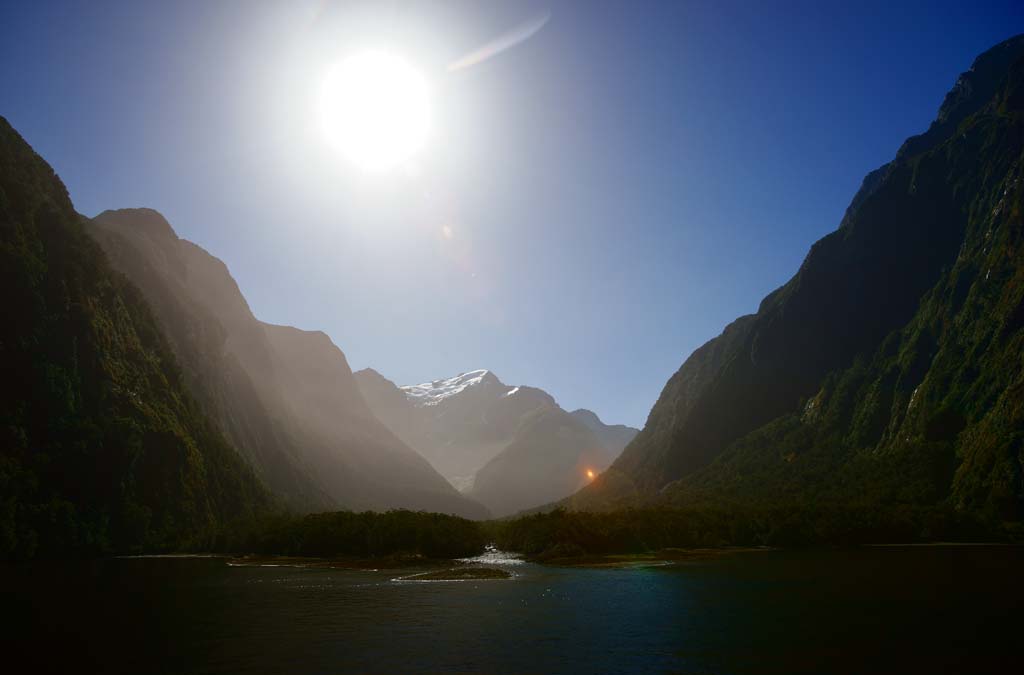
x=285 y=396
x=889 y=364
x=509 y=447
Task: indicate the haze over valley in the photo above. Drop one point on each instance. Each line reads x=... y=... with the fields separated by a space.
x=511 y=448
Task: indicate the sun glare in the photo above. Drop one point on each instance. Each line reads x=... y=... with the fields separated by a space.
x=590 y=474
x=375 y=110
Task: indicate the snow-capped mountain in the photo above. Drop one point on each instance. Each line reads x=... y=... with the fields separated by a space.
x=510 y=446
x=433 y=393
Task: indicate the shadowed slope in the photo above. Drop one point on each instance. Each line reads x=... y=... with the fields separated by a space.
x=916 y=291
x=102 y=449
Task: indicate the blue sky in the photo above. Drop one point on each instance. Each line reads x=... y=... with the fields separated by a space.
x=618 y=187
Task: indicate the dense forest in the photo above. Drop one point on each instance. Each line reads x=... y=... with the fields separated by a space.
x=367 y=534
x=562 y=534
x=568 y=534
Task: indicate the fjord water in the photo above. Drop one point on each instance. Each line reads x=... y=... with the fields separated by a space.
x=906 y=609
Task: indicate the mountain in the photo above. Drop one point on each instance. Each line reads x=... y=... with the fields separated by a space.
x=458 y=423
x=888 y=369
x=102 y=447
x=508 y=447
x=217 y=341
x=614 y=437
x=286 y=397
x=546 y=459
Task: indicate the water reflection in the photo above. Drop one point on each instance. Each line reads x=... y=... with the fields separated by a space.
x=867 y=610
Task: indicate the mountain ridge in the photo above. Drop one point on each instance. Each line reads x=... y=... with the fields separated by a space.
x=509 y=447
x=852 y=328
x=103 y=449
x=286 y=395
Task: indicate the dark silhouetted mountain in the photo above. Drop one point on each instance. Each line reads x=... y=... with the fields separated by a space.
x=509 y=448
x=285 y=396
x=889 y=368
x=103 y=448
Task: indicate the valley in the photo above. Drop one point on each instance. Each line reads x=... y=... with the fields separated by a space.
x=221 y=449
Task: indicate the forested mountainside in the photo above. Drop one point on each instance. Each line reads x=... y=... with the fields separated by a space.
x=102 y=447
x=286 y=396
x=889 y=368
x=509 y=447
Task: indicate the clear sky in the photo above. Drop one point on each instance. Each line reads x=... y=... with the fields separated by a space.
x=617 y=187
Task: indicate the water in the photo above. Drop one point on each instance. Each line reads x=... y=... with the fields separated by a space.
x=899 y=610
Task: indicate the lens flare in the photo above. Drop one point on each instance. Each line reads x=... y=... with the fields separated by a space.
x=506 y=40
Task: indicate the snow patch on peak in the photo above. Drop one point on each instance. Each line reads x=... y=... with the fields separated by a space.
x=432 y=393
x=511 y=391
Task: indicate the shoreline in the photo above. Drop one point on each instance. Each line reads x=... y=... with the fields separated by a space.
x=658 y=558
x=141 y=556
x=341 y=562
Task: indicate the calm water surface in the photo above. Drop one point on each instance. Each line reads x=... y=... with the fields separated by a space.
x=935 y=609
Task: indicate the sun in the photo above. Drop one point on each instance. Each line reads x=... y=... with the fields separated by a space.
x=375 y=110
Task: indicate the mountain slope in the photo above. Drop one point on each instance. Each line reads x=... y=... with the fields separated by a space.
x=509 y=447
x=613 y=437
x=102 y=449
x=364 y=463
x=286 y=396
x=458 y=423
x=889 y=367
x=205 y=336
x=546 y=460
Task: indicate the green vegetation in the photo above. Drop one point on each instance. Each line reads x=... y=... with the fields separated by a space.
x=362 y=535
x=563 y=534
x=102 y=449
x=934 y=413
x=888 y=370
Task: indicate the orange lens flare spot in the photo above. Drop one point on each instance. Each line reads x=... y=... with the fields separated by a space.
x=591 y=474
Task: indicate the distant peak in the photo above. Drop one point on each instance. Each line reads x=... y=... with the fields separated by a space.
x=590 y=419
x=482 y=374
x=149 y=221
x=432 y=393
x=583 y=413
x=371 y=375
